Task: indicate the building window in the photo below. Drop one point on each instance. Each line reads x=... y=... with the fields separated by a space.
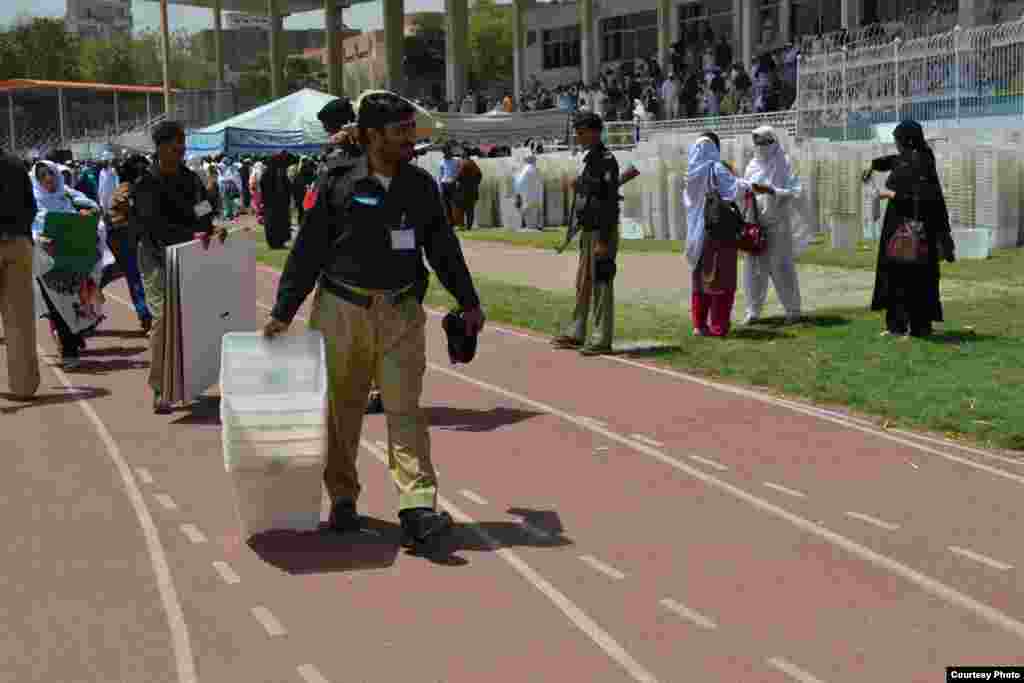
x=561 y=47
x=630 y=36
x=702 y=24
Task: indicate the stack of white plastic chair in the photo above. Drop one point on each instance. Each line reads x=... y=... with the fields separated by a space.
x=487 y=204
x=551 y=169
x=273 y=412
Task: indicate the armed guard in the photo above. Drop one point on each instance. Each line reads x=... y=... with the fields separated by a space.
x=362 y=246
x=595 y=215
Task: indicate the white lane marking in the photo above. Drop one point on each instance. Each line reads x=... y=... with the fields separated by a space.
x=888 y=526
x=577 y=616
x=933 y=586
x=144 y=475
x=927 y=583
x=193 y=533
x=783 y=489
x=600 y=566
x=310 y=674
x=382 y=444
x=180 y=638
x=793 y=671
x=466 y=493
x=687 y=613
x=226 y=572
x=166 y=501
x=268 y=621
x=710 y=463
x=978 y=557
x=647 y=440
x=593 y=419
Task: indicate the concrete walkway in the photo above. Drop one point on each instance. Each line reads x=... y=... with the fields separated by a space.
x=663 y=280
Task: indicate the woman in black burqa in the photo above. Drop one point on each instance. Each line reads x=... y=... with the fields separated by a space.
x=277 y=200
x=909 y=293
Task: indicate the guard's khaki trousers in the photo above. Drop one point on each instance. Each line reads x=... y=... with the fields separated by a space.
x=385 y=344
x=589 y=293
x=18 y=313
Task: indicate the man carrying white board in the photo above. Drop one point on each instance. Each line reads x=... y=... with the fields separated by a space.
x=172 y=207
x=362 y=243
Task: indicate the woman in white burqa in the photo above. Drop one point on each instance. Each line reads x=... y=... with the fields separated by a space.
x=786 y=227
x=529 y=191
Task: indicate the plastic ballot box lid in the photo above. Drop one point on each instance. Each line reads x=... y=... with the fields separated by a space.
x=289 y=365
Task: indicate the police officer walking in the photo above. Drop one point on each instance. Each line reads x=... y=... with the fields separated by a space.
x=596 y=217
x=361 y=243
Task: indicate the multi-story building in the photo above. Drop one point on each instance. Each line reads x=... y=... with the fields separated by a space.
x=555 y=44
x=245 y=46
x=99 y=18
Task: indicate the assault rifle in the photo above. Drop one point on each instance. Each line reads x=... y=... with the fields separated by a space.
x=574 y=227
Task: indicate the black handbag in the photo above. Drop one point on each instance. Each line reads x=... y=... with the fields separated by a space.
x=723 y=220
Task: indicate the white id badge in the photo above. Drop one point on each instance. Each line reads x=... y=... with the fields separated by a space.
x=403 y=239
x=203 y=208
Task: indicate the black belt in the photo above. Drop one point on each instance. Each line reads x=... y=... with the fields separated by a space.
x=353 y=297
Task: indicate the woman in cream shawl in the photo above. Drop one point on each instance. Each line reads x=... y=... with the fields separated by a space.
x=783 y=216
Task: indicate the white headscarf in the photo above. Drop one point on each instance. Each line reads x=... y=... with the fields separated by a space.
x=704 y=159
x=788 y=208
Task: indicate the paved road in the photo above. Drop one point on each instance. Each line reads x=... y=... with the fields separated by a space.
x=617 y=523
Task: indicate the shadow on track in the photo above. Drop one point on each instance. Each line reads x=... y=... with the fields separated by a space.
x=466 y=420
x=60 y=395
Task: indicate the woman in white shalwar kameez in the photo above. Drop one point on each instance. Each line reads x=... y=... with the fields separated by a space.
x=529 y=190
x=784 y=221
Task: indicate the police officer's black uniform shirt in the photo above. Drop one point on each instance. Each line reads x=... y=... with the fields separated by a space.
x=597 y=189
x=360 y=234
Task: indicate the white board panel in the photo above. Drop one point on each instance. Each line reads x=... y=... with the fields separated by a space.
x=218 y=295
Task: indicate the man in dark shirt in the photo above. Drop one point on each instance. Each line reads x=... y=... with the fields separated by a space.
x=172 y=207
x=17 y=300
x=362 y=244
x=596 y=211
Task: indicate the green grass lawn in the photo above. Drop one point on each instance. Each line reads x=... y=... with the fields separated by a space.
x=1005 y=265
x=965 y=382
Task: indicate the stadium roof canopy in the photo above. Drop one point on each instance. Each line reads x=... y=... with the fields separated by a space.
x=19 y=84
x=259 y=7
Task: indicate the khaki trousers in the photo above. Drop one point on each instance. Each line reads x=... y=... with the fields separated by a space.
x=18 y=313
x=589 y=293
x=385 y=345
x=153 y=282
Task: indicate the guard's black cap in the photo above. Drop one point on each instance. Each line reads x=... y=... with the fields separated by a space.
x=587 y=119
x=336 y=114
x=461 y=346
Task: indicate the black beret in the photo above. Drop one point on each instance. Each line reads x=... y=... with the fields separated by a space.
x=587 y=119
x=166 y=131
x=336 y=114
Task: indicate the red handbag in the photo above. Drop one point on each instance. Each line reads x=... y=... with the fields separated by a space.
x=752 y=239
x=909 y=242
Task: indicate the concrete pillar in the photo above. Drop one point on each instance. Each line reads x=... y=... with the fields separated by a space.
x=394 y=17
x=785 y=20
x=117 y=116
x=10 y=111
x=737 y=29
x=218 y=43
x=751 y=25
x=850 y=10
x=456 y=52
x=518 y=40
x=665 y=16
x=165 y=43
x=60 y=116
x=588 y=42
x=332 y=16
x=276 y=61
x=149 y=110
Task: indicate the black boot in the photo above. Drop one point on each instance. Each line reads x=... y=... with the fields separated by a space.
x=374 y=406
x=422 y=528
x=344 y=518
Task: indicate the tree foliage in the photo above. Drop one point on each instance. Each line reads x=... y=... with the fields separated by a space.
x=490 y=44
x=424 y=49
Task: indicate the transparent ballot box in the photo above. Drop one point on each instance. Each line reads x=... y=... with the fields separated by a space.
x=273 y=428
